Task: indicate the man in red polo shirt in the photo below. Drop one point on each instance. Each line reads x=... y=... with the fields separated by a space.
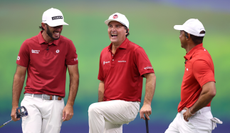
x=123 y=64
x=198 y=85
x=45 y=58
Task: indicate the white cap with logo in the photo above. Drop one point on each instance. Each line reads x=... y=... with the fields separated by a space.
x=119 y=18
x=53 y=17
x=192 y=26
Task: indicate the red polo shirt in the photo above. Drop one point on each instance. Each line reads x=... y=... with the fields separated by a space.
x=46 y=64
x=122 y=72
x=199 y=70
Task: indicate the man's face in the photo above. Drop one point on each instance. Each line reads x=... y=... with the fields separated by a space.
x=117 y=32
x=54 y=32
x=183 y=39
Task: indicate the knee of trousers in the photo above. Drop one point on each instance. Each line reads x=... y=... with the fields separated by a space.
x=93 y=109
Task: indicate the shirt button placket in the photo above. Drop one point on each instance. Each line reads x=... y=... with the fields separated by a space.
x=112 y=62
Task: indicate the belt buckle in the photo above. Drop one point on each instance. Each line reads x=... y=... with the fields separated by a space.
x=46 y=97
x=51 y=97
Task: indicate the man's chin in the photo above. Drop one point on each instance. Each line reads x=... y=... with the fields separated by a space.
x=113 y=40
x=56 y=38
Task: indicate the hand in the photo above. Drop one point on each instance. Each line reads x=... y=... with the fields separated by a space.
x=13 y=114
x=145 y=111
x=187 y=114
x=67 y=113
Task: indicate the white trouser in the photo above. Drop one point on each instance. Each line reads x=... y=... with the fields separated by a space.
x=44 y=116
x=201 y=122
x=109 y=116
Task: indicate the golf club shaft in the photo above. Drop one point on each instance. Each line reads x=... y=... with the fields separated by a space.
x=147 y=125
x=6 y=123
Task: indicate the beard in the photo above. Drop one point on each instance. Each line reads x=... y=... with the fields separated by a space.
x=51 y=34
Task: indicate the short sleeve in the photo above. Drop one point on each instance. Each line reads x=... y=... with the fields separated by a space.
x=100 y=73
x=142 y=61
x=203 y=72
x=23 y=55
x=71 y=58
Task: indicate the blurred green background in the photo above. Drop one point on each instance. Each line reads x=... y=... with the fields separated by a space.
x=151 y=27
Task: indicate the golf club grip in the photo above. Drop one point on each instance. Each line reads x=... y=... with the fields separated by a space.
x=147 y=125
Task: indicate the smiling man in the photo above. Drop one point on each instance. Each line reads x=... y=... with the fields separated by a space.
x=123 y=64
x=45 y=58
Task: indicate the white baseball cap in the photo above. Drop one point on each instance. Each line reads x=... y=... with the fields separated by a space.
x=192 y=26
x=119 y=18
x=53 y=17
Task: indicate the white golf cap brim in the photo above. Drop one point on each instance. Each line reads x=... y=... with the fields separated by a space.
x=56 y=23
x=178 y=27
x=109 y=20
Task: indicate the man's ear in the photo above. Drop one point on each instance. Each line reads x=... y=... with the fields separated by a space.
x=186 y=35
x=127 y=31
x=43 y=25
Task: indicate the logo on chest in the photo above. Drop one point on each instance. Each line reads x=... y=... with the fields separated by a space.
x=35 y=51
x=57 y=51
x=106 y=62
x=186 y=69
x=121 y=61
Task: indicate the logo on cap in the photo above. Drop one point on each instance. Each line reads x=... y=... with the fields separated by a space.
x=115 y=16
x=57 y=17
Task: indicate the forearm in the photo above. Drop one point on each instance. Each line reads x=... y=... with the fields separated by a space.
x=101 y=91
x=17 y=89
x=73 y=88
x=206 y=96
x=202 y=101
x=149 y=88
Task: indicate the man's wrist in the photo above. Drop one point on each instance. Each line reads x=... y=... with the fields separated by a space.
x=190 y=112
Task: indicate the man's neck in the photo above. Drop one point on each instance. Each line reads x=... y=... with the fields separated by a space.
x=114 y=47
x=190 y=46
